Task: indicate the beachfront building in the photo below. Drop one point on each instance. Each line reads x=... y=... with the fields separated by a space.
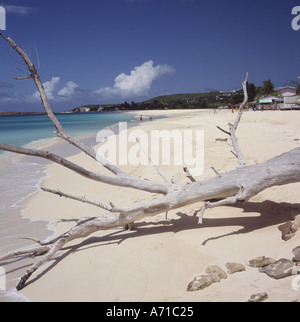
x=270 y=102
x=291 y=99
x=287 y=91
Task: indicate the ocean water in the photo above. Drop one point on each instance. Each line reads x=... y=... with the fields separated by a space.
x=20 y=178
x=21 y=130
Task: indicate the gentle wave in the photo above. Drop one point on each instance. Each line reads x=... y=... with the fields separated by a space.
x=20 y=179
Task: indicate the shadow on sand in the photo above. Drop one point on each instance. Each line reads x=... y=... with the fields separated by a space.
x=270 y=213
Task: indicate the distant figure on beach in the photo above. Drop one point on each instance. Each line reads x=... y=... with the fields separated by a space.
x=274 y=106
x=215 y=111
x=150 y=118
x=141 y=117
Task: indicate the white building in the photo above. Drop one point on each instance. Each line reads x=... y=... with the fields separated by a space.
x=291 y=99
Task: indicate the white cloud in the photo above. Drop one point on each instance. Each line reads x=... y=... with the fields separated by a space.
x=19 y=10
x=66 y=93
x=69 y=90
x=138 y=83
x=9 y=98
x=49 y=87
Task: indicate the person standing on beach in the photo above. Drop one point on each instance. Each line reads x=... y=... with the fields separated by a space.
x=141 y=117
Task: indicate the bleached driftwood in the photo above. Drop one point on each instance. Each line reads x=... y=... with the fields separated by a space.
x=227 y=188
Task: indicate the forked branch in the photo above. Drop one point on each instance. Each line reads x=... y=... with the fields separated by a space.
x=128 y=181
x=81 y=199
x=233 y=127
x=239 y=184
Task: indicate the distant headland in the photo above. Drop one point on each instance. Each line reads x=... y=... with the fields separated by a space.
x=21 y=113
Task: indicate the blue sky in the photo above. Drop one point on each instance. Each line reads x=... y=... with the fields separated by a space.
x=109 y=51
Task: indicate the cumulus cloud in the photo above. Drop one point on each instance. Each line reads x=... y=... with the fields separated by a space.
x=54 y=92
x=69 y=90
x=49 y=87
x=137 y=83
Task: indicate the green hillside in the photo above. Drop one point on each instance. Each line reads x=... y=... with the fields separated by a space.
x=184 y=97
x=175 y=101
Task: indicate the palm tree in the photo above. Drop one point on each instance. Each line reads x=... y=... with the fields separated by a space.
x=267 y=87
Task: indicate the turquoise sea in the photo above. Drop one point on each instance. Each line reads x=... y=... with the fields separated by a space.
x=20 y=176
x=21 y=130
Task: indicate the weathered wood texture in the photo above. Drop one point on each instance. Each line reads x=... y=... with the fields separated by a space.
x=227 y=188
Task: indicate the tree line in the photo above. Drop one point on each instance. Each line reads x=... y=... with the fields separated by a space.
x=192 y=101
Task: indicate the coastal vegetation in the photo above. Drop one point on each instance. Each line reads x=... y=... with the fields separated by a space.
x=212 y=99
x=206 y=100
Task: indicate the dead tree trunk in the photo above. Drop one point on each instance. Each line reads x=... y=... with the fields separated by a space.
x=227 y=188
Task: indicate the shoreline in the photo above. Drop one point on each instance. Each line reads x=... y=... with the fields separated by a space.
x=27 y=224
x=67 y=151
x=162 y=242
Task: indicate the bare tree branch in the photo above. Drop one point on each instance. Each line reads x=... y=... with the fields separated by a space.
x=60 y=130
x=216 y=172
x=239 y=184
x=145 y=185
x=233 y=127
x=226 y=132
x=22 y=78
x=81 y=199
x=188 y=174
x=152 y=162
x=230 y=187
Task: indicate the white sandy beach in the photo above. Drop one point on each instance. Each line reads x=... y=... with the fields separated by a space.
x=156 y=261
